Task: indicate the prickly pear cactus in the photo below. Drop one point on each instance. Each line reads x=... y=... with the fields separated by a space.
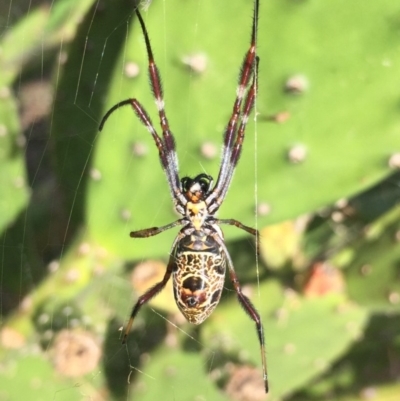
x=334 y=86
x=41 y=29
x=327 y=127
x=15 y=193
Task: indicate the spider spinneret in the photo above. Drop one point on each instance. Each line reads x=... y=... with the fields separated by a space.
x=199 y=256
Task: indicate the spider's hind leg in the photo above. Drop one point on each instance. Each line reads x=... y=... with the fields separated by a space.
x=248 y=308
x=153 y=291
x=147 y=296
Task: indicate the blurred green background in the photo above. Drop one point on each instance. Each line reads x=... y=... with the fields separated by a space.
x=319 y=176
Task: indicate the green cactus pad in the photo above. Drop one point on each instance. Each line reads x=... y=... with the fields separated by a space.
x=372 y=275
x=14 y=190
x=300 y=343
x=172 y=374
x=41 y=29
x=340 y=132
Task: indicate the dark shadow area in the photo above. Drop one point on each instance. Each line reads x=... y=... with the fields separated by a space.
x=121 y=360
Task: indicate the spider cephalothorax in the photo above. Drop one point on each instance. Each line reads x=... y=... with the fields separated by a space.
x=199 y=256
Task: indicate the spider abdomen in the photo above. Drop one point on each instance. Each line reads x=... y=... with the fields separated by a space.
x=198 y=280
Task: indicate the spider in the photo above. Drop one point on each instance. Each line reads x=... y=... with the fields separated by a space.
x=199 y=255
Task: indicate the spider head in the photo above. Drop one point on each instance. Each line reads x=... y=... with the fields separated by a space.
x=196 y=189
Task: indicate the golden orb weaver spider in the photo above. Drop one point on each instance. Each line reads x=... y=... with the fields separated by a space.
x=199 y=255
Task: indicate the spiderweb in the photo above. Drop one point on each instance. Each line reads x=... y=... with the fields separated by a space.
x=64 y=275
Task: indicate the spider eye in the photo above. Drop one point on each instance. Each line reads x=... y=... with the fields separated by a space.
x=205 y=185
x=186 y=183
x=205 y=182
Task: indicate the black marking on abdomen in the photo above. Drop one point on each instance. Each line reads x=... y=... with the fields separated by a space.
x=193 y=283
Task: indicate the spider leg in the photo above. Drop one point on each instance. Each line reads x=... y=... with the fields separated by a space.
x=145 y=120
x=153 y=291
x=168 y=138
x=238 y=224
x=248 y=308
x=164 y=157
x=150 y=232
x=166 y=144
x=232 y=143
x=237 y=147
x=217 y=196
x=147 y=296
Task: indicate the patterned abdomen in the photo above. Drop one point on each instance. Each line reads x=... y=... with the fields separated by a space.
x=198 y=281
